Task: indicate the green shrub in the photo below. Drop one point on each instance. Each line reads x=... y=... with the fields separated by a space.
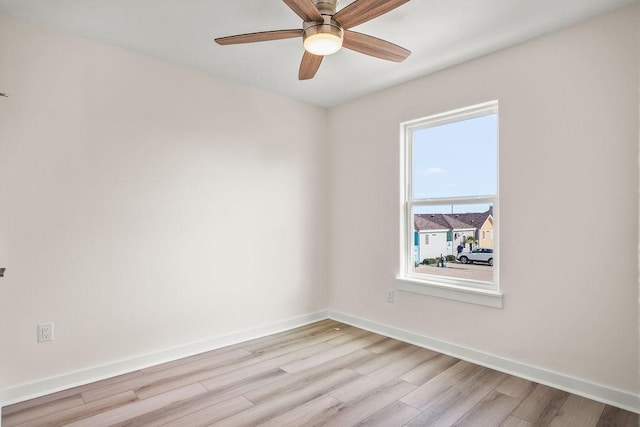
x=451 y=258
x=436 y=260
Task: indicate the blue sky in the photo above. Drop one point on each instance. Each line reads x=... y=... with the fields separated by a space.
x=456 y=159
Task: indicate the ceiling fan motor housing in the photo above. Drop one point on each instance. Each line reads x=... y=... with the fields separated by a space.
x=326 y=7
x=329 y=26
x=323 y=37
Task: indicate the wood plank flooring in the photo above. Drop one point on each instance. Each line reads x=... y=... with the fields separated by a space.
x=322 y=374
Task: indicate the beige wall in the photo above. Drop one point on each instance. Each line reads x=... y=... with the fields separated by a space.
x=568 y=148
x=487 y=231
x=144 y=206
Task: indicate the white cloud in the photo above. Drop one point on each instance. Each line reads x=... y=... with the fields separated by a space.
x=432 y=171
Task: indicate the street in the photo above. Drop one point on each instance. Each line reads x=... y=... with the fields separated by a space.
x=481 y=272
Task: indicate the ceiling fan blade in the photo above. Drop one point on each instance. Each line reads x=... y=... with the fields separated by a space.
x=373 y=46
x=309 y=65
x=259 y=37
x=305 y=9
x=361 y=11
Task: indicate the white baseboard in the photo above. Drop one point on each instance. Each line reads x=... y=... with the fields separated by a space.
x=577 y=386
x=600 y=393
x=65 y=381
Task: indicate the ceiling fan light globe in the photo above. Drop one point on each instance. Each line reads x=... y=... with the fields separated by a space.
x=322 y=43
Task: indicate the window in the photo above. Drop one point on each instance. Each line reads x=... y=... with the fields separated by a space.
x=450 y=190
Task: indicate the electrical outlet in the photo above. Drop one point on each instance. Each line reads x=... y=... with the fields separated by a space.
x=45 y=332
x=389 y=295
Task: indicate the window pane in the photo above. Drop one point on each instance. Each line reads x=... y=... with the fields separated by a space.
x=456 y=159
x=454 y=233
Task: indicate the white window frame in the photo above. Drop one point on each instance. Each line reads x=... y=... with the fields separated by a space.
x=465 y=290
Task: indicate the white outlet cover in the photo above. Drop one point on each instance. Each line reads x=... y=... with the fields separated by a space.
x=390 y=295
x=45 y=332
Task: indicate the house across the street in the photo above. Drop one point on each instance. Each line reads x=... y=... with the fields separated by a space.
x=440 y=234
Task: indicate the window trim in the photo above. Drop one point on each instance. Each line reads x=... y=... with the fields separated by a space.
x=465 y=290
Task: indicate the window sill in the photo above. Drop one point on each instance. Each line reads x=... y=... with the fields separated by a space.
x=486 y=297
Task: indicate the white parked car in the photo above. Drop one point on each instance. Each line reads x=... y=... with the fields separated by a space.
x=476 y=255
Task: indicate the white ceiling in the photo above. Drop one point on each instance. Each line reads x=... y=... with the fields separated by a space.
x=440 y=33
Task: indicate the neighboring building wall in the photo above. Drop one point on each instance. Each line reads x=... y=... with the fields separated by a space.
x=437 y=244
x=462 y=235
x=486 y=234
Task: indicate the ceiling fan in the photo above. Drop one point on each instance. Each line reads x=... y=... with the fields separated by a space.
x=324 y=31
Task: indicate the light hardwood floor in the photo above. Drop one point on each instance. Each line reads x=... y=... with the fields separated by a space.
x=326 y=373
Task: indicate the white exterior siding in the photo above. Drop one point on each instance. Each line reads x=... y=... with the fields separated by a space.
x=437 y=244
x=462 y=234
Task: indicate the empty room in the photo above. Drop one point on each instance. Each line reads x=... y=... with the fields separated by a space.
x=319 y=213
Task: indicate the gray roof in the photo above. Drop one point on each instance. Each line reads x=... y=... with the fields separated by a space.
x=451 y=221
